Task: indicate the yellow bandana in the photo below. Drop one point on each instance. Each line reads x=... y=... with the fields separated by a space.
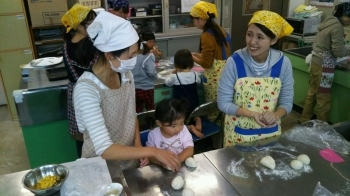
x=272 y=21
x=201 y=8
x=73 y=17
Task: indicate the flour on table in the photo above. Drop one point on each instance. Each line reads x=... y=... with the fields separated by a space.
x=258 y=174
x=345 y=190
x=236 y=168
x=284 y=171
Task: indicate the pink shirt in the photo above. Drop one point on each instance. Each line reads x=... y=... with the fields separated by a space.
x=175 y=144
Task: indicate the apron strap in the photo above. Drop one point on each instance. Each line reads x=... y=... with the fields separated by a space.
x=256 y=131
x=276 y=69
x=239 y=66
x=178 y=79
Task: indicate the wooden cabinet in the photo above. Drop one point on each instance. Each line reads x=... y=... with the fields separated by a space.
x=47 y=40
x=15 y=47
x=11 y=73
x=11 y=6
x=13 y=31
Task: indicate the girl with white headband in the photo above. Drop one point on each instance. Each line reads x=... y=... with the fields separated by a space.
x=104 y=97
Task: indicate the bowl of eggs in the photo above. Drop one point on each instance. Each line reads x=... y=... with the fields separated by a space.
x=46 y=179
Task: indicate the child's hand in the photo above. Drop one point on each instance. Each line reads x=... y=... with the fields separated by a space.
x=144 y=162
x=174 y=71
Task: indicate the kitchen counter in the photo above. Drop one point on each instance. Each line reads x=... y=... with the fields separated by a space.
x=228 y=171
x=340 y=110
x=156 y=180
x=240 y=165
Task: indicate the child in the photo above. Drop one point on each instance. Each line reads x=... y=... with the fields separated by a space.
x=144 y=75
x=149 y=44
x=171 y=134
x=185 y=86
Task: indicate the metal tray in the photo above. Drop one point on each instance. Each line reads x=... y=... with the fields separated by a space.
x=59 y=73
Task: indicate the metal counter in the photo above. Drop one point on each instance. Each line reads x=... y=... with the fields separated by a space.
x=155 y=180
x=240 y=165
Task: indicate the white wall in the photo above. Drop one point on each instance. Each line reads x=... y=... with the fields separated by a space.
x=294 y=4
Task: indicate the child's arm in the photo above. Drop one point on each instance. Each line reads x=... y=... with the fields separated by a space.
x=170 y=81
x=150 y=68
x=187 y=152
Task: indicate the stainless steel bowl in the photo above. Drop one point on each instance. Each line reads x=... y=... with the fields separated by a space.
x=31 y=178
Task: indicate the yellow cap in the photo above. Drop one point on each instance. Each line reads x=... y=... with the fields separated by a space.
x=273 y=21
x=202 y=8
x=74 y=16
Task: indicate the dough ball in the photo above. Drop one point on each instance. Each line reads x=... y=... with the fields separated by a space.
x=269 y=162
x=177 y=182
x=187 y=192
x=304 y=159
x=296 y=164
x=190 y=162
x=168 y=168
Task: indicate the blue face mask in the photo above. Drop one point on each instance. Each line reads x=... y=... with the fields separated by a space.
x=125 y=65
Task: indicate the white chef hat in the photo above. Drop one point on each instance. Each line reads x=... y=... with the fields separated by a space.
x=110 y=32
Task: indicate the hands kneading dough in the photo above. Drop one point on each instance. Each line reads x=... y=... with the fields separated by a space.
x=269 y=162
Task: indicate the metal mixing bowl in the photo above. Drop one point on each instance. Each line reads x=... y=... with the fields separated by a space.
x=33 y=176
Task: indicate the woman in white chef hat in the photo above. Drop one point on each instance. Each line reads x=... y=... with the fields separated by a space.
x=104 y=96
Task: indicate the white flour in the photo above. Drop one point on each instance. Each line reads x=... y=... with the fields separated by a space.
x=282 y=171
x=237 y=169
x=344 y=191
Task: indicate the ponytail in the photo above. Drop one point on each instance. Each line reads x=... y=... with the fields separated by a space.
x=211 y=25
x=86 y=52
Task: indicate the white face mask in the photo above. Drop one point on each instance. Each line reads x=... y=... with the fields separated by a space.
x=125 y=65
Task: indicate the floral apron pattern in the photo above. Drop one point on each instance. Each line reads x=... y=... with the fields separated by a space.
x=212 y=76
x=255 y=94
x=328 y=66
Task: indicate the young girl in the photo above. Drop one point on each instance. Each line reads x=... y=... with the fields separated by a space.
x=144 y=75
x=149 y=44
x=185 y=86
x=171 y=134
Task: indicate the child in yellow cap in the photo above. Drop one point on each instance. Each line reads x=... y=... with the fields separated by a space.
x=76 y=20
x=215 y=46
x=256 y=86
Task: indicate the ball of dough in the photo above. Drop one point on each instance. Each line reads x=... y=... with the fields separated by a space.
x=187 y=192
x=190 y=162
x=269 y=162
x=296 y=164
x=177 y=182
x=168 y=168
x=304 y=159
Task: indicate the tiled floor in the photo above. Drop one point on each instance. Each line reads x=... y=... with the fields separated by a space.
x=13 y=153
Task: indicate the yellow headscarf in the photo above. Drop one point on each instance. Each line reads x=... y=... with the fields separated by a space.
x=201 y=8
x=74 y=16
x=273 y=21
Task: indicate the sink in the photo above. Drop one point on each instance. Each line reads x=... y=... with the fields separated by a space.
x=302 y=52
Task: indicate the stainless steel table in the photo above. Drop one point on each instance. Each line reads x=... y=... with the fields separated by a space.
x=240 y=165
x=155 y=180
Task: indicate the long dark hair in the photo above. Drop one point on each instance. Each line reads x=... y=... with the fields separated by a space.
x=90 y=16
x=212 y=26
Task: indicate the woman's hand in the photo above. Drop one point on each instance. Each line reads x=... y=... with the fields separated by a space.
x=168 y=158
x=144 y=162
x=257 y=117
x=269 y=118
x=197 y=55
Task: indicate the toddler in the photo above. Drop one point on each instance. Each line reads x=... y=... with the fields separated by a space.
x=172 y=134
x=149 y=44
x=144 y=75
x=184 y=82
